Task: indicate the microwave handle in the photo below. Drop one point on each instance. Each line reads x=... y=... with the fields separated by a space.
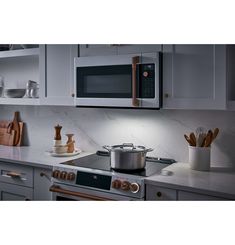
x=135 y=61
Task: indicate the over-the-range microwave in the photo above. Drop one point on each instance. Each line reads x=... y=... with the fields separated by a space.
x=125 y=81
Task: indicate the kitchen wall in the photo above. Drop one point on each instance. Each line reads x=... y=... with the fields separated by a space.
x=162 y=130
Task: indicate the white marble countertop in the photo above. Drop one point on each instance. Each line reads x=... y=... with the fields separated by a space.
x=33 y=156
x=218 y=181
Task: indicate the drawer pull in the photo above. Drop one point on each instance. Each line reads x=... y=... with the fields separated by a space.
x=159 y=194
x=13 y=175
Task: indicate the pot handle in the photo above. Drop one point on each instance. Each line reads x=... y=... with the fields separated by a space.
x=128 y=145
x=107 y=147
x=149 y=149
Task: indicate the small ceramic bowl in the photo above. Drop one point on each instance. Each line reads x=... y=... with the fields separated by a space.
x=57 y=142
x=60 y=149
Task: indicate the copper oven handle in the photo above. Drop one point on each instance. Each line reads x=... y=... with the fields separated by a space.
x=135 y=61
x=57 y=189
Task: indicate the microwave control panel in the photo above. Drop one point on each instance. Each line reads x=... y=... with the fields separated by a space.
x=146 y=88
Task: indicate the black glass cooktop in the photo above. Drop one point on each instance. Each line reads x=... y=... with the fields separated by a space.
x=99 y=162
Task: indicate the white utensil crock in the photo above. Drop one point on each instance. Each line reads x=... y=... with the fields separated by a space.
x=199 y=158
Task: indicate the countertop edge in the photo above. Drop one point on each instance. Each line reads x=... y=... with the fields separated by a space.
x=190 y=189
x=32 y=164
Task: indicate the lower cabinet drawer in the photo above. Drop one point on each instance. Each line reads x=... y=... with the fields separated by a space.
x=16 y=174
x=156 y=193
x=190 y=196
x=9 y=192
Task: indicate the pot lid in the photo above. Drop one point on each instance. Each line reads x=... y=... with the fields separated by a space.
x=127 y=147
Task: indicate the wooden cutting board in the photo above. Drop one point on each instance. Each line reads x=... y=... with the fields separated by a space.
x=16 y=127
x=21 y=126
x=7 y=138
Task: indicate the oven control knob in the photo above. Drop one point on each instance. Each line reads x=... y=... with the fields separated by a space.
x=116 y=184
x=56 y=174
x=63 y=175
x=145 y=74
x=71 y=176
x=125 y=186
x=134 y=187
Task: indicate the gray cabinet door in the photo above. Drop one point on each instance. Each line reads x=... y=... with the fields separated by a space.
x=156 y=193
x=42 y=183
x=97 y=50
x=9 y=192
x=194 y=76
x=115 y=49
x=190 y=196
x=138 y=48
x=57 y=74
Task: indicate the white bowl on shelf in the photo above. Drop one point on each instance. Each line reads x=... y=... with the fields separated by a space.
x=14 y=93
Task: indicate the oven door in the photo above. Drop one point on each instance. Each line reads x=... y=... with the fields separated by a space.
x=61 y=192
x=118 y=81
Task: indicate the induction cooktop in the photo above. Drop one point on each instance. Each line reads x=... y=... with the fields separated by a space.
x=101 y=161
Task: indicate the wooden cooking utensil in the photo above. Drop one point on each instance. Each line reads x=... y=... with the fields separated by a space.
x=209 y=138
x=16 y=127
x=193 y=139
x=188 y=139
x=215 y=133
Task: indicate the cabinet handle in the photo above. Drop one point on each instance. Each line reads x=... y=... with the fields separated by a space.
x=166 y=95
x=135 y=61
x=14 y=175
x=72 y=94
x=159 y=194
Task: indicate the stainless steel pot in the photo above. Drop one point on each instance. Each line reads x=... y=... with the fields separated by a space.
x=127 y=156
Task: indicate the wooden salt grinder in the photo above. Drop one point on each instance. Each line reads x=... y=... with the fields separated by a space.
x=70 y=142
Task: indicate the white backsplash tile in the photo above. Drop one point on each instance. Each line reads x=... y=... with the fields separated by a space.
x=162 y=130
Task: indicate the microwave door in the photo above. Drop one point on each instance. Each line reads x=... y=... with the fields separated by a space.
x=106 y=86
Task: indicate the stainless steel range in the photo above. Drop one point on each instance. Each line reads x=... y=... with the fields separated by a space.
x=92 y=178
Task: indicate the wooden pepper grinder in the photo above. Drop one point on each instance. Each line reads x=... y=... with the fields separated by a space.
x=57 y=132
x=70 y=142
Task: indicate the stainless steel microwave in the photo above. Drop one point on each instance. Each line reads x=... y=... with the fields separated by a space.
x=131 y=81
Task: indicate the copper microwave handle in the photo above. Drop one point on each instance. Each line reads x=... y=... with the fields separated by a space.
x=135 y=61
x=57 y=189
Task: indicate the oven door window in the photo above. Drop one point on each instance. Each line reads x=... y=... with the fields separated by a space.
x=104 y=81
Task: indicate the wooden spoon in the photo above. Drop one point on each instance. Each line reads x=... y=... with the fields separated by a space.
x=188 y=139
x=193 y=139
x=215 y=133
x=209 y=138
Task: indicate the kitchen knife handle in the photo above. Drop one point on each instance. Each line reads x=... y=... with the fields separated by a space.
x=135 y=61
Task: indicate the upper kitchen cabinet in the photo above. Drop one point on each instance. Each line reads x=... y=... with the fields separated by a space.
x=18 y=65
x=57 y=74
x=231 y=77
x=116 y=49
x=194 y=76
